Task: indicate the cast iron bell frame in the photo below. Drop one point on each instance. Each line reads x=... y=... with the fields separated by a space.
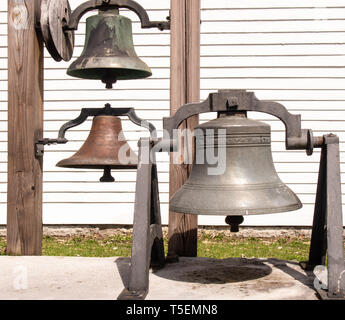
x=57 y=22
x=147 y=244
x=327 y=231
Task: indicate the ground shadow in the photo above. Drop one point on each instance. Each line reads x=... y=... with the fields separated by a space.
x=304 y=277
x=219 y=271
x=214 y=271
x=204 y=270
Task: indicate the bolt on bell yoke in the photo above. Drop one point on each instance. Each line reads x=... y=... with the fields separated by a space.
x=109 y=53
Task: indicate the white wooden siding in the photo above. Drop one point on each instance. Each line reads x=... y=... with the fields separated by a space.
x=292 y=52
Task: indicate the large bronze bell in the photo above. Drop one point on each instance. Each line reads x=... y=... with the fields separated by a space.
x=249 y=184
x=109 y=53
x=105 y=148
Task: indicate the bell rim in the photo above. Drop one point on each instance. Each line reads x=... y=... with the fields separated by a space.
x=238 y=212
x=101 y=167
x=83 y=73
x=94 y=163
x=291 y=205
x=93 y=69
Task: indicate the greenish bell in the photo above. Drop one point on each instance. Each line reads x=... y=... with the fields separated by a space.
x=233 y=172
x=109 y=53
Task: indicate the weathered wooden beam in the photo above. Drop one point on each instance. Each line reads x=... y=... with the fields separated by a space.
x=184 y=88
x=25 y=125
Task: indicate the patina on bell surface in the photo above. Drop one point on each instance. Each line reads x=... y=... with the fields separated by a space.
x=105 y=148
x=249 y=185
x=109 y=53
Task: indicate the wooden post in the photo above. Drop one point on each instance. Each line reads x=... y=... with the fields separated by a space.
x=25 y=125
x=184 y=88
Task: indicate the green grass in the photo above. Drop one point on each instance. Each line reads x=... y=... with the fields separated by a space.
x=287 y=249
x=2 y=246
x=216 y=245
x=88 y=246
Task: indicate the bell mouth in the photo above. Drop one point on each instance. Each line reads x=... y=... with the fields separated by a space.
x=65 y=164
x=112 y=73
x=194 y=199
x=83 y=162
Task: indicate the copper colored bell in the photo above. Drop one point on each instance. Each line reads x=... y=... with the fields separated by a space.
x=109 y=53
x=105 y=148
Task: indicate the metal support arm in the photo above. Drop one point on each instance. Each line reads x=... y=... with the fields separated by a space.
x=327 y=232
x=104 y=4
x=147 y=243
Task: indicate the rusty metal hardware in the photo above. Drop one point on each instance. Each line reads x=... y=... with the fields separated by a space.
x=39 y=145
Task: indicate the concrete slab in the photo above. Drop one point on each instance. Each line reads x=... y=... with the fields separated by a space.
x=191 y=278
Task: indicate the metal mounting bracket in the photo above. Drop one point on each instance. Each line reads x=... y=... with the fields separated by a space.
x=147 y=243
x=327 y=232
x=104 y=4
x=93 y=112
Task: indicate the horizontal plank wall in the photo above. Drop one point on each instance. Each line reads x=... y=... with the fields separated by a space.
x=291 y=51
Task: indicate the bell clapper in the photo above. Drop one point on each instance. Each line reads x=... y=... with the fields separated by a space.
x=107 y=177
x=234 y=222
x=108 y=82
